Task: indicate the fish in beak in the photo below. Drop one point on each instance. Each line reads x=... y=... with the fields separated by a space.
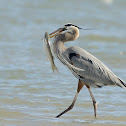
x=57 y=32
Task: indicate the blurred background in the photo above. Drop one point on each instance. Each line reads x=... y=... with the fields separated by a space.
x=30 y=93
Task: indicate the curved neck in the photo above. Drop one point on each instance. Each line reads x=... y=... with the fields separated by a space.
x=58 y=47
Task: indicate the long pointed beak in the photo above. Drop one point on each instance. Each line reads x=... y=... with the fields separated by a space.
x=55 y=33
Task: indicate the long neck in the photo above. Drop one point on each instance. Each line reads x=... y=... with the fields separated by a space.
x=58 y=47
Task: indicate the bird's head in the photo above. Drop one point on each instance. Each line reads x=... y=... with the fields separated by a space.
x=68 y=32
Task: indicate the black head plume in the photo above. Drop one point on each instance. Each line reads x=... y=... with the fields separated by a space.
x=70 y=24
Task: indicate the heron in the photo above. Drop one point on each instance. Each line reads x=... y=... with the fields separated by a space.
x=88 y=69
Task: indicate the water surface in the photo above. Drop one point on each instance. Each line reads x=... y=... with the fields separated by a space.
x=30 y=93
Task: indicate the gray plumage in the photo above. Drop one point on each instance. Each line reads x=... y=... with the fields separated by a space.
x=95 y=73
x=89 y=70
x=83 y=65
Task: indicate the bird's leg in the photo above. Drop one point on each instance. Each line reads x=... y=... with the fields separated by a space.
x=94 y=102
x=80 y=86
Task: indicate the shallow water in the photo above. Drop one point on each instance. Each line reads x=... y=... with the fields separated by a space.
x=30 y=93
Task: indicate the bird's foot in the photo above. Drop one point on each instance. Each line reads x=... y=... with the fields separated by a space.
x=95 y=108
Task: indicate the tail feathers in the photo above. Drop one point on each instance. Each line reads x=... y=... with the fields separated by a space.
x=122 y=84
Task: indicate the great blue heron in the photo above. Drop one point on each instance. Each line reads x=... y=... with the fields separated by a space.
x=89 y=70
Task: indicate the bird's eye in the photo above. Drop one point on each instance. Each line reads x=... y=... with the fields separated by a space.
x=65 y=28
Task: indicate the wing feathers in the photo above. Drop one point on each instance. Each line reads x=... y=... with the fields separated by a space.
x=94 y=71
